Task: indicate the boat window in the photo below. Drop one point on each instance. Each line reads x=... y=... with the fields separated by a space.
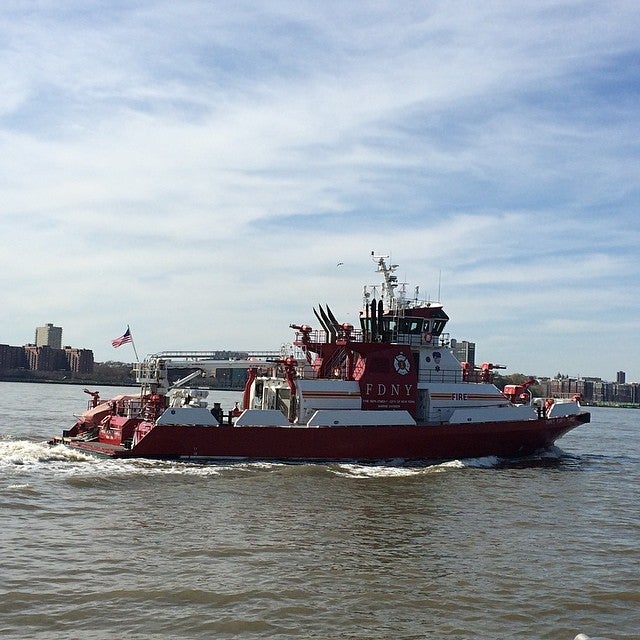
x=388 y=324
x=385 y=327
x=411 y=325
x=437 y=327
x=283 y=393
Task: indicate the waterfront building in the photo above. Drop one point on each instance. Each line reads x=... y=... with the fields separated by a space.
x=592 y=390
x=79 y=360
x=464 y=351
x=12 y=357
x=44 y=358
x=49 y=336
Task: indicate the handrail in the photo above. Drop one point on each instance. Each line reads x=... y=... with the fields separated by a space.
x=318 y=336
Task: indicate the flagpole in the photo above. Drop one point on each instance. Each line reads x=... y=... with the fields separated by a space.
x=133 y=344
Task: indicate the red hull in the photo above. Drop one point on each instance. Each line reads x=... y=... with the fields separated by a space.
x=427 y=442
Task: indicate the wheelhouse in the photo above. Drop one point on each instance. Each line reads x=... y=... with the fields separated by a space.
x=406 y=326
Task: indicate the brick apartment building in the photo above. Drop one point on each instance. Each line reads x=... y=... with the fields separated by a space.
x=45 y=358
x=46 y=354
x=592 y=390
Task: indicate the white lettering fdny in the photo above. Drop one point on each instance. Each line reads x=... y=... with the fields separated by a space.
x=394 y=390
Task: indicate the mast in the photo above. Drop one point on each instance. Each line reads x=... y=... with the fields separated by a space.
x=390 y=280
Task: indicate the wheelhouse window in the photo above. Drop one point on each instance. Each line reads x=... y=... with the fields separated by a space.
x=437 y=326
x=413 y=326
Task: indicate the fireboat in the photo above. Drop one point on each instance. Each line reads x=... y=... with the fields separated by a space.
x=390 y=389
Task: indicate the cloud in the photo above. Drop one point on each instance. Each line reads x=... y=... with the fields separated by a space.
x=187 y=167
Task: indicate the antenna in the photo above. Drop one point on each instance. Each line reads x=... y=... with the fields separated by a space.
x=439 y=283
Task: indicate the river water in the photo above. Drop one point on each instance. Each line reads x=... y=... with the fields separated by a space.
x=94 y=549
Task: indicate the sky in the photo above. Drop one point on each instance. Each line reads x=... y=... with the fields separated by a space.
x=208 y=171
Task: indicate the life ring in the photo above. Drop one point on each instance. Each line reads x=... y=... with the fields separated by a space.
x=427 y=338
x=401 y=364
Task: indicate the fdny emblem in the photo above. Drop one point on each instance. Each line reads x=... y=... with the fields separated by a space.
x=401 y=364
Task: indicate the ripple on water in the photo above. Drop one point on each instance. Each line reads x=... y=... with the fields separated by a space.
x=544 y=547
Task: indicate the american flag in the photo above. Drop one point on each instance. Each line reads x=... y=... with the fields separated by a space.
x=123 y=339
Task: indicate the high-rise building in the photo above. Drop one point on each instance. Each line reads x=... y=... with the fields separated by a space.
x=49 y=336
x=465 y=351
x=621 y=376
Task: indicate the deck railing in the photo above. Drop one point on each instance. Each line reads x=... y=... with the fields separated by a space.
x=412 y=339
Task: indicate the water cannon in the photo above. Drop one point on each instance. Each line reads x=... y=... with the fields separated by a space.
x=487 y=369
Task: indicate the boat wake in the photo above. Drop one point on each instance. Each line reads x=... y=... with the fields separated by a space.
x=26 y=456
x=28 y=453
x=553 y=457
x=550 y=458
x=400 y=468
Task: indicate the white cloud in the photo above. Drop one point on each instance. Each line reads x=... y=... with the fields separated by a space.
x=195 y=168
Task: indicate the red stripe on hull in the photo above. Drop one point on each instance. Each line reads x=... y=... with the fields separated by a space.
x=505 y=439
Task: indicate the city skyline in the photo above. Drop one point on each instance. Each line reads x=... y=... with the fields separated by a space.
x=460 y=348
x=208 y=173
